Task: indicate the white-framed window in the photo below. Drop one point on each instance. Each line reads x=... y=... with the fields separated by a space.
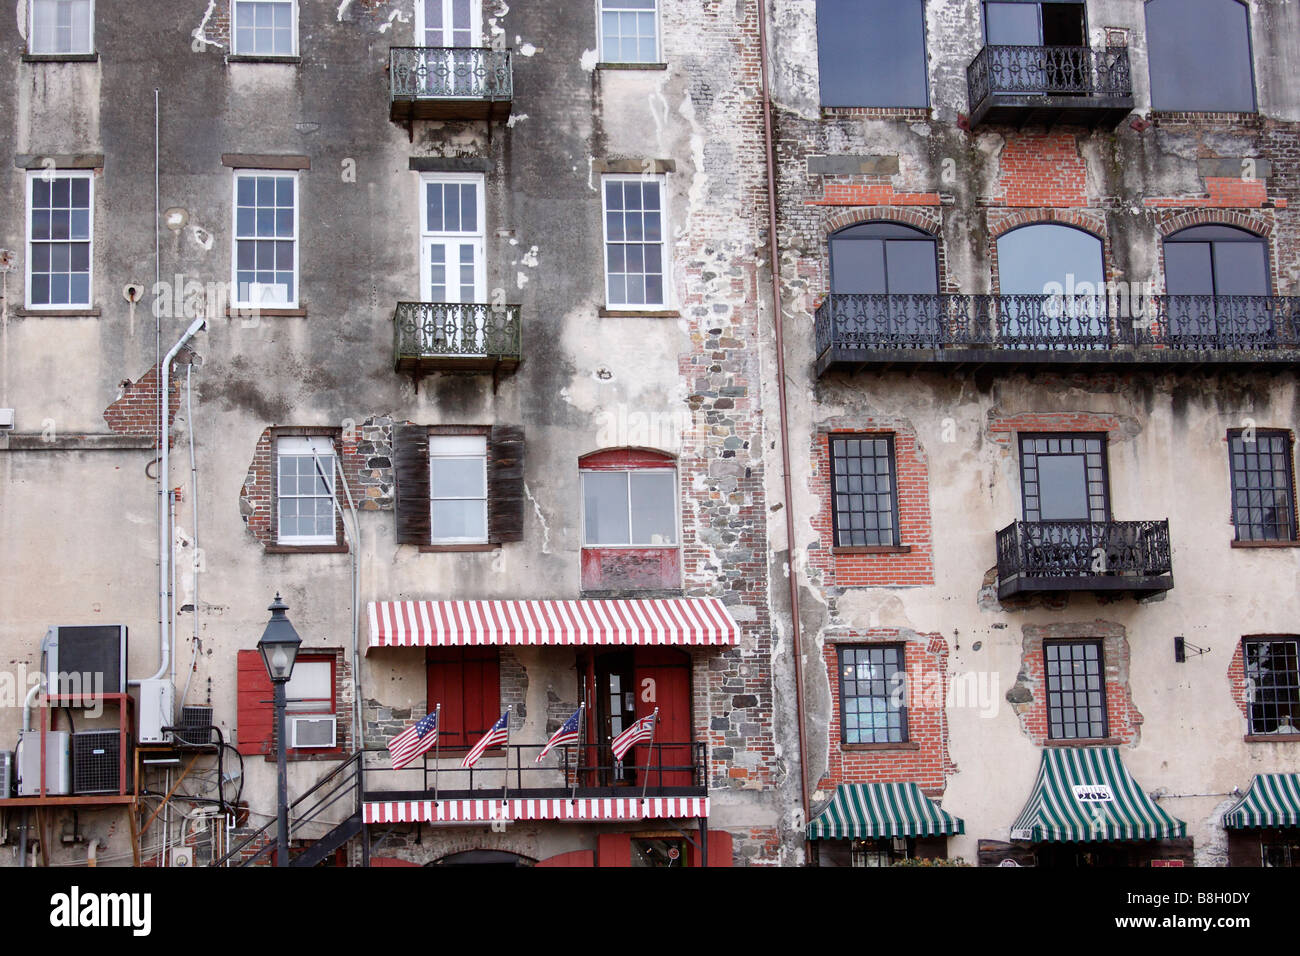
x=452 y=238
x=60 y=238
x=265 y=261
x=629 y=31
x=458 y=489
x=448 y=23
x=635 y=508
x=636 y=267
x=311 y=687
x=264 y=28
x=61 y=27
x=304 y=492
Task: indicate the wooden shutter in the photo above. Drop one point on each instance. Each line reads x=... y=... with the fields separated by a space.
x=720 y=851
x=411 y=470
x=467 y=683
x=255 y=715
x=506 y=484
x=613 y=849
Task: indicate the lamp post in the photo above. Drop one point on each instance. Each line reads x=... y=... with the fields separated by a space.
x=279 y=649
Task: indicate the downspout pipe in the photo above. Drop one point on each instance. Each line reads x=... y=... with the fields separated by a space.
x=778 y=317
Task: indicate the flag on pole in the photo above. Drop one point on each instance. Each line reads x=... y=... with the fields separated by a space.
x=567 y=734
x=643 y=729
x=499 y=733
x=415 y=740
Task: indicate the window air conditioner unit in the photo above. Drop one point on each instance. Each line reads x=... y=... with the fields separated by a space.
x=308 y=732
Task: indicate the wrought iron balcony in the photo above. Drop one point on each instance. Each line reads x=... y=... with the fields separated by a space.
x=1038 y=556
x=856 y=331
x=448 y=83
x=1032 y=85
x=440 y=336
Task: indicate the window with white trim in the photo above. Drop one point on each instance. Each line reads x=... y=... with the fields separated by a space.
x=636 y=273
x=458 y=489
x=304 y=488
x=60 y=242
x=264 y=28
x=61 y=27
x=629 y=508
x=265 y=266
x=312 y=723
x=629 y=31
x=451 y=238
x=448 y=23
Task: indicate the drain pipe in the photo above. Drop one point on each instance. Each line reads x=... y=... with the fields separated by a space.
x=353 y=531
x=774 y=265
x=28 y=702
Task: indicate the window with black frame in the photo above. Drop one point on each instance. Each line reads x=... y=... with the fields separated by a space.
x=1272 y=669
x=872 y=698
x=1263 y=485
x=1217 y=280
x=881 y=851
x=864 y=496
x=1051 y=280
x=1063 y=477
x=885 y=284
x=1076 y=690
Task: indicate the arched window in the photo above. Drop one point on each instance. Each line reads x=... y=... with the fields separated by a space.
x=1052 y=281
x=1199 y=53
x=884 y=258
x=1218 y=285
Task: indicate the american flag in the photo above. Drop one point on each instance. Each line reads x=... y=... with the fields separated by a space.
x=499 y=734
x=643 y=729
x=567 y=734
x=416 y=739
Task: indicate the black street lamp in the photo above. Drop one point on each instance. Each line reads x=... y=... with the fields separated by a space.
x=279 y=648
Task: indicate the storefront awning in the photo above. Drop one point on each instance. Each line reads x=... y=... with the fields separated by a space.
x=673 y=621
x=1087 y=795
x=1273 y=800
x=861 y=811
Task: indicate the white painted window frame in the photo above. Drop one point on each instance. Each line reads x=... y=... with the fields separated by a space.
x=659 y=34
x=677 y=507
x=234 y=24
x=300 y=446
x=457 y=448
x=235 y=300
x=89 y=176
x=664 y=234
x=476 y=20
x=31 y=35
x=429 y=236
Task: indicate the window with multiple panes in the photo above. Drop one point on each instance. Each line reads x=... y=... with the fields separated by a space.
x=872 y=694
x=458 y=488
x=1199 y=55
x=1273 y=684
x=447 y=23
x=61 y=27
x=265 y=28
x=864 y=491
x=1263 y=485
x=464 y=683
x=872 y=53
x=635 y=263
x=304 y=491
x=881 y=851
x=266 y=239
x=452 y=268
x=629 y=31
x=1076 y=690
x=60 y=238
x=1063 y=477
x=629 y=508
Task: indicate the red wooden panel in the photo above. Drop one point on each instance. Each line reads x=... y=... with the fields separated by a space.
x=663 y=679
x=613 y=849
x=255 y=714
x=467 y=682
x=719 y=850
x=625 y=459
x=627 y=569
x=573 y=858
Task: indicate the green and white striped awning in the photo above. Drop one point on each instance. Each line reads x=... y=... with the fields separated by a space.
x=861 y=811
x=1087 y=795
x=1273 y=800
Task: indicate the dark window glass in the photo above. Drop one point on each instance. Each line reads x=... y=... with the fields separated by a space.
x=1273 y=686
x=1063 y=477
x=872 y=52
x=1280 y=847
x=881 y=851
x=1076 y=690
x=1021 y=23
x=883 y=257
x=864 y=500
x=1200 y=55
x=1216 y=260
x=872 y=695
x=1263 y=486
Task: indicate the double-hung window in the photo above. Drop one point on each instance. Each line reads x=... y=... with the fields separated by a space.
x=266 y=239
x=61 y=27
x=265 y=28
x=1263 y=485
x=864 y=491
x=305 y=491
x=309 y=695
x=458 y=488
x=629 y=31
x=60 y=238
x=1076 y=690
x=1273 y=685
x=636 y=274
x=872 y=694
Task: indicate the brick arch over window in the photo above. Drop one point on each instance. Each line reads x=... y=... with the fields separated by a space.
x=631 y=523
x=918 y=218
x=1003 y=221
x=1257 y=224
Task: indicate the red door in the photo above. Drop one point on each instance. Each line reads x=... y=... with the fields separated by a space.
x=662 y=679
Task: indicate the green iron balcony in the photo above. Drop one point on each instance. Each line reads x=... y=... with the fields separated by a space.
x=449 y=83
x=451 y=337
x=1033 y=85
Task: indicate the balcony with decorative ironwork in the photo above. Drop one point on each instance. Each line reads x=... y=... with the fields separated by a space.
x=1099 y=556
x=1049 y=85
x=456 y=337
x=449 y=83
x=856 y=331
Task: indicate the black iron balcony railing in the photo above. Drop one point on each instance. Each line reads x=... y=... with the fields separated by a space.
x=854 y=330
x=449 y=83
x=1050 y=83
x=1036 y=556
x=444 y=336
x=664 y=769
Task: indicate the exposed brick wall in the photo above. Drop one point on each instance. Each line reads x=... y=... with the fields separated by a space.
x=913 y=489
x=1028 y=697
x=1003 y=429
x=880 y=193
x=1222 y=192
x=1002 y=221
x=1041 y=169
x=136 y=412
x=1237 y=684
x=925 y=661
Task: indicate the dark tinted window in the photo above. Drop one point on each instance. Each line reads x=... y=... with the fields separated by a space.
x=1273 y=672
x=871 y=52
x=1019 y=23
x=1263 y=485
x=1216 y=260
x=1063 y=477
x=882 y=257
x=864 y=499
x=1076 y=691
x=871 y=699
x=1200 y=55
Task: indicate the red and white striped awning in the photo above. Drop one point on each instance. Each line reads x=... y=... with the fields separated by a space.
x=584 y=808
x=673 y=621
